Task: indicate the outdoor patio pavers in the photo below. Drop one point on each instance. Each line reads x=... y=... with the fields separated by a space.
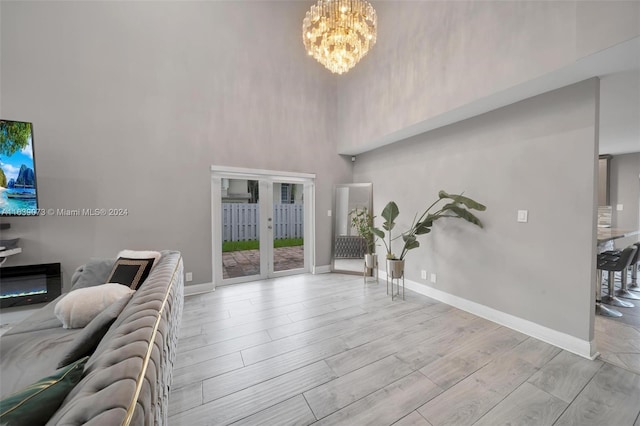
x=243 y=263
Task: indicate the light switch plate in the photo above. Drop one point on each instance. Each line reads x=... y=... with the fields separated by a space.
x=329 y=213
x=523 y=216
x=619 y=207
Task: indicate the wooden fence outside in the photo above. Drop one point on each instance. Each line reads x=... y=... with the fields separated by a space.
x=241 y=222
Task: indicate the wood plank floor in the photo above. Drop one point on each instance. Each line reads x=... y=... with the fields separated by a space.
x=327 y=349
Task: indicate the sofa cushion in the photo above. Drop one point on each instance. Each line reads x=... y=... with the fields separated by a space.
x=88 y=338
x=27 y=357
x=94 y=272
x=41 y=319
x=79 y=307
x=36 y=403
x=131 y=272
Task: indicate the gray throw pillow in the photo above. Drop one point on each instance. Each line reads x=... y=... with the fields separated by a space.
x=94 y=272
x=88 y=339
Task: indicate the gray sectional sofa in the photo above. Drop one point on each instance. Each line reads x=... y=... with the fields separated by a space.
x=127 y=379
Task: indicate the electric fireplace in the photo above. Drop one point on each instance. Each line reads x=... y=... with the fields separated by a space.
x=29 y=284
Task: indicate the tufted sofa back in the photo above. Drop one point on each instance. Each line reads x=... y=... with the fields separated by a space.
x=127 y=379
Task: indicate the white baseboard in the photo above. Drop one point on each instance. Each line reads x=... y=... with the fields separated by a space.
x=584 y=348
x=190 y=290
x=324 y=269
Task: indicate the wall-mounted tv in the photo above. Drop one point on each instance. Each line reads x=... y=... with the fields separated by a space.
x=18 y=187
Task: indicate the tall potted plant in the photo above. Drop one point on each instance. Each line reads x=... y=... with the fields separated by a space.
x=448 y=205
x=362 y=221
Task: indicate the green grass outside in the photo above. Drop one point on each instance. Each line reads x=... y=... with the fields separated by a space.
x=228 y=246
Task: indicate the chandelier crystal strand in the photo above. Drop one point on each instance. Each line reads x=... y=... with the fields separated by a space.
x=338 y=33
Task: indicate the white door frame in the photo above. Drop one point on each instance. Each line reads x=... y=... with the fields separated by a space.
x=266 y=179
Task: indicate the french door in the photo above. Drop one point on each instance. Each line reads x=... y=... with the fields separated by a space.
x=261 y=224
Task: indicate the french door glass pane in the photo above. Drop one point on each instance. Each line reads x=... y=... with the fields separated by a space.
x=240 y=228
x=288 y=226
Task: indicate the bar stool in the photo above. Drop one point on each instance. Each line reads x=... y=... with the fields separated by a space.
x=624 y=290
x=635 y=262
x=600 y=308
x=612 y=264
x=624 y=276
x=633 y=268
x=603 y=257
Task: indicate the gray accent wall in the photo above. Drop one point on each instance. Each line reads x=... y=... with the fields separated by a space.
x=625 y=189
x=434 y=57
x=538 y=155
x=132 y=102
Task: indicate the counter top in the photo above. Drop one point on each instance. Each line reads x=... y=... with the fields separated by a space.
x=608 y=234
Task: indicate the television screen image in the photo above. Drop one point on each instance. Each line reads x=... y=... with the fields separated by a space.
x=18 y=188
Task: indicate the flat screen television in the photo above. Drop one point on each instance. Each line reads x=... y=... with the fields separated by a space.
x=18 y=187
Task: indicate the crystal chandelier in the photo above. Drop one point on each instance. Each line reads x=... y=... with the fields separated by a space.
x=338 y=33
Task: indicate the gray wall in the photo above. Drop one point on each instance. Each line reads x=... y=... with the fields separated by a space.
x=620 y=136
x=132 y=102
x=434 y=56
x=620 y=112
x=625 y=190
x=538 y=155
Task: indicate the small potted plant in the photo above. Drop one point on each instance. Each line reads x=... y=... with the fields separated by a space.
x=457 y=206
x=362 y=221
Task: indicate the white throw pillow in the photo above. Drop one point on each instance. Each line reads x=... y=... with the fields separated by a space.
x=140 y=254
x=79 y=307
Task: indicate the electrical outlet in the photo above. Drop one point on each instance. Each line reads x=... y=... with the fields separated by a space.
x=188 y=277
x=433 y=278
x=523 y=215
x=423 y=274
x=329 y=213
x=619 y=207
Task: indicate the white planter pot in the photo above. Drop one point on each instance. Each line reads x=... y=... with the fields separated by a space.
x=395 y=268
x=371 y=261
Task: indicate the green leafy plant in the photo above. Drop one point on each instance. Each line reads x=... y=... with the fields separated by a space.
x=14 y=136
x=362 y=221
x=457 y=206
